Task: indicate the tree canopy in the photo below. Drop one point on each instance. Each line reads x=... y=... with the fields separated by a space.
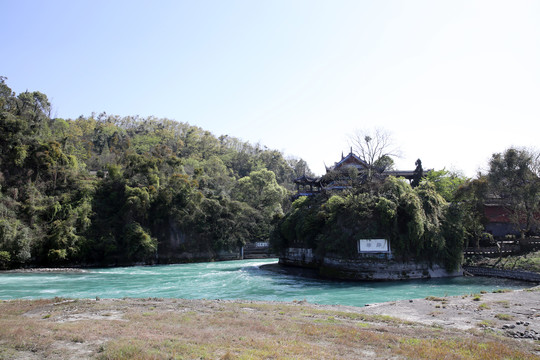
x=514 y=182
x=104 y=189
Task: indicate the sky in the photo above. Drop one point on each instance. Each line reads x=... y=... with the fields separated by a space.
x=452 y=81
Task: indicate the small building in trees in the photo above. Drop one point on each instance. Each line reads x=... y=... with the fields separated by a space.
x=498 y=221
x=501 y=222
x=348 y=161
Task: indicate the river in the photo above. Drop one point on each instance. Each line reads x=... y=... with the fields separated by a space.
x=246 y=279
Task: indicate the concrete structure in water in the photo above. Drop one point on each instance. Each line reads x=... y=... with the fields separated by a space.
x=366 y=266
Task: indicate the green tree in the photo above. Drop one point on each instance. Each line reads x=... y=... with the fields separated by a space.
x=418 y=174
x=107 y=188
x=512 y=179
x=446 y=182
x=471 y=197
x=261 y=190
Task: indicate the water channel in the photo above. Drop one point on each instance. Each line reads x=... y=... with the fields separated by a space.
x=246 y=279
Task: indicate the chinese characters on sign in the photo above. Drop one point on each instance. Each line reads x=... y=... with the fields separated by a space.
x=372 y=245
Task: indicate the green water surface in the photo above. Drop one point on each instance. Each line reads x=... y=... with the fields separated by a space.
x=246 y=279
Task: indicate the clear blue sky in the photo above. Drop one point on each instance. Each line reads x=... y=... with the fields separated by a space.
x=453 y=81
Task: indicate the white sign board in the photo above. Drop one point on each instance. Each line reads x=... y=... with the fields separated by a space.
x=372 y=245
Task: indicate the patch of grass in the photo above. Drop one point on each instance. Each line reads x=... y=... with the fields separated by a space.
x=77 y=339
x=410 y=341
x=192 y=329
x=7 y=353
x=487 y=323
x=484 y=306
x=504 y=317
x=499 y=291
x=372 y=318
x=328 y=320
x=477 y=297
x=504 y=303
x=459 y=349
x=435 y=298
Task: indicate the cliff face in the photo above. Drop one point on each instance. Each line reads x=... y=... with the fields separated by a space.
x=364 y=268
x=179 y=247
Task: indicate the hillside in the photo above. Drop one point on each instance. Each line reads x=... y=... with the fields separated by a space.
x=108 y=190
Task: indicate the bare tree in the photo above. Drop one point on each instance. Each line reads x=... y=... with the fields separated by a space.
x=535 y=160
x=373 y=145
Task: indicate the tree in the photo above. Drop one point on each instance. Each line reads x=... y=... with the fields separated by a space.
x=446 y=182
x=261 y=190
x=513 y=181
x=371 y=146
x=418 y=174
x=470 y=197
x=384 y=163
x=108 y=188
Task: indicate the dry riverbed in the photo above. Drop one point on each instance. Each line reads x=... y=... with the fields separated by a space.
x=478 y=326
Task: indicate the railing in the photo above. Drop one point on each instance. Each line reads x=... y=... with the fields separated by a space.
x=506 y=248
x=493 y=250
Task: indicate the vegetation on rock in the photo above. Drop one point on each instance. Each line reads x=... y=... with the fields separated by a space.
x=419 y=223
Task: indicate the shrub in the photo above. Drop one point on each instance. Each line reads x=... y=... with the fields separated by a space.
x=5 y=260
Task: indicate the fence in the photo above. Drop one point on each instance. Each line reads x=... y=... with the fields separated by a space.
x=506 y=248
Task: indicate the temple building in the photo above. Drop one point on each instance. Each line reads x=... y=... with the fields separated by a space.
x=338 y=176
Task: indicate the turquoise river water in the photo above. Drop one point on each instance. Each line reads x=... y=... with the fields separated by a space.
x=246 y=279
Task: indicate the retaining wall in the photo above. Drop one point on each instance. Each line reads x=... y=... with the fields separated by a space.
x=508 y=274
x=363 y=268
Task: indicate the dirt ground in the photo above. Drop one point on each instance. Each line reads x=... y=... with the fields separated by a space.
x=503 y=325
x=519 y=310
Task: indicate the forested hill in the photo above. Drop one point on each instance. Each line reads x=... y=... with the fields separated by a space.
x=108 y=189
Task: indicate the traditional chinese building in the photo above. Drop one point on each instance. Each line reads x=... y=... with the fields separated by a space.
x=338 y=176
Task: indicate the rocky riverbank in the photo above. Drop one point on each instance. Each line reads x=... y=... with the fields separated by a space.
x=487 y=325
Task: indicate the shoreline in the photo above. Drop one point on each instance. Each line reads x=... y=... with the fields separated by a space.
x=46 y=270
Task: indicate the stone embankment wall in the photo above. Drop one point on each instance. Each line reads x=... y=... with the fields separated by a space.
x=187 y=257
x=508 y=274
x=259 y=250
x=332 y=266
x=300 y=257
